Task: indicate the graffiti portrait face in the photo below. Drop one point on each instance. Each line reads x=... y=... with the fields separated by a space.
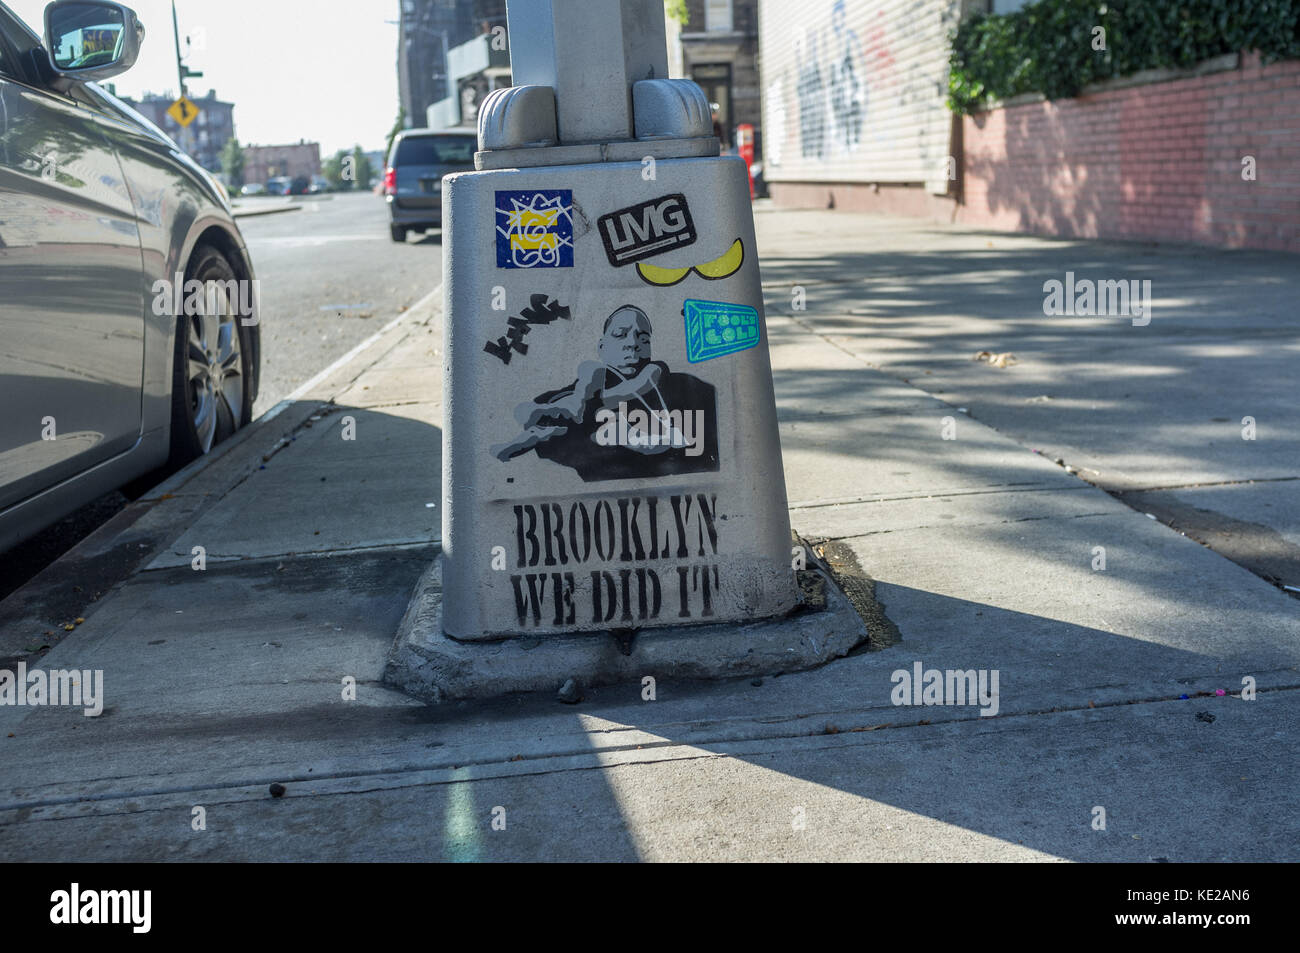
x=625 y=344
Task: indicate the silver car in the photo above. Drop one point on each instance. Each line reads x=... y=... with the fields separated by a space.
x=128 y=304
x=413 y=179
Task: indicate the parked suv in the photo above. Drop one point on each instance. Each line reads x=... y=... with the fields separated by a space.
x=110 y=366
x=413 y=179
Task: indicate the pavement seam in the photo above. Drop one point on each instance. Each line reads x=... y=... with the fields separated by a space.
x=991 y=522
x=939 y=494
x=231 y=559
x=997 y=722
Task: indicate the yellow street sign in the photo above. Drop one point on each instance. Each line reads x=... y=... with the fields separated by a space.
x=183 y=111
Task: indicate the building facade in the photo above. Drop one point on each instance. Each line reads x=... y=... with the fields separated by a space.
x=719 y=49
x=428 y=32
x=855 y=97
x=205 y=137
x=268 y=162
x=855 y=103
x=476 y=68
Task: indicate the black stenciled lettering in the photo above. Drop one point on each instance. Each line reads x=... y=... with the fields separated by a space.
x=625 y=577
x=580 y=553
x=707 y=514
x=553 y=533
x=529 y=606
x=562 y=596
x=681 y=520
x=523 y=536
x=599 y=597
x=609 y=531
x=683 y=574
x=650 y=610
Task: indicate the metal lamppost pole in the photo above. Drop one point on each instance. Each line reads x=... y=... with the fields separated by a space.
x=182 y=73
x=620 y=250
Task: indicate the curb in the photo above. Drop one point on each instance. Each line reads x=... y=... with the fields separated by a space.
x=86 y=575
x=257 y=213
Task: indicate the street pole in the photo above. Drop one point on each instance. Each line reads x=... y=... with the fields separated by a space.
x=180 y=76
x=176 y=34
x=601 y=220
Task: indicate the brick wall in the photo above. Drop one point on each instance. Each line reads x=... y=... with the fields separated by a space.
x=1161 y=161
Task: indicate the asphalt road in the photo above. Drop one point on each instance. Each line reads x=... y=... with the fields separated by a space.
x=330 y=277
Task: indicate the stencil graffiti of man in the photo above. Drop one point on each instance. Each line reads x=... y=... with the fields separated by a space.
x=670 y=428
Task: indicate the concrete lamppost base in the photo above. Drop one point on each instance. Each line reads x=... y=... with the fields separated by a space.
x=428 y=665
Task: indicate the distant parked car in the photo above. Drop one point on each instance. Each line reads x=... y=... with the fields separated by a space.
x=102 y=378
x=319 y=184
x=299 y=185
x=277 y=186
x=253 y=188
x=413 y=179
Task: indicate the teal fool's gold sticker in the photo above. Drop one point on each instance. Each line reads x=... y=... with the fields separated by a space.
x=714 y=329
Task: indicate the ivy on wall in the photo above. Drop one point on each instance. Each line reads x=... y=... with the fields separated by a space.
x=1056 y=47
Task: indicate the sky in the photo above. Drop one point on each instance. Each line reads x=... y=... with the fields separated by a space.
x=320 y=70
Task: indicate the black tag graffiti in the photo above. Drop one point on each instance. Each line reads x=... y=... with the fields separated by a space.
x=540 y=310
x=643 y=231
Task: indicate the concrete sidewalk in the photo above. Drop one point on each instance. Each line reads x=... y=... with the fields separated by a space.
x=222 y=682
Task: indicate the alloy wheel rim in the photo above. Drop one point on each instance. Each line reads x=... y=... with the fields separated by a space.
x=215 y=374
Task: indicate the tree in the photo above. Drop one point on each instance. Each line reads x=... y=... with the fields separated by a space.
x=334 y=171
x=232 y=162
x=398 y=126
x=362 y=171
x=677 y=10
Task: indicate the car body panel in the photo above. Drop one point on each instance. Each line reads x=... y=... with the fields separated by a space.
x=147 y=194
x=68 y=237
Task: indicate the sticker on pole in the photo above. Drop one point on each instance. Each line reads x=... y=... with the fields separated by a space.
x=715 y=329
x=645 y=230
x=534 y=228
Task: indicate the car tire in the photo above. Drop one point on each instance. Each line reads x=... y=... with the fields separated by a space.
x=398 y=233
x=212 y=370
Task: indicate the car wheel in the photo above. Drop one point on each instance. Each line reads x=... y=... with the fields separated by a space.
x=212 y=371
x=398 y=233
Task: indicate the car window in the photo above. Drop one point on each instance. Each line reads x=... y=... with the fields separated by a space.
x=436 y=150
x=14 y=36
x=8 y=65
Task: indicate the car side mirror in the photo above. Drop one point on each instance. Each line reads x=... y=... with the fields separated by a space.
x=91 y=39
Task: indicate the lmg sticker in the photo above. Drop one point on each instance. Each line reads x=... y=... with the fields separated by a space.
x=643 y=231
x=715 y=329
x=535 y=228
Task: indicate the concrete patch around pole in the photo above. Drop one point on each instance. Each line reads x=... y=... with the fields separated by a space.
x=427 y=664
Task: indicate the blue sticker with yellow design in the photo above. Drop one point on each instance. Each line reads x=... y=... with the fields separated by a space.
x=534 y=228
x=715 y=329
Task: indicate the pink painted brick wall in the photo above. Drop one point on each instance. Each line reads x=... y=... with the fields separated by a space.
x=1155 y=162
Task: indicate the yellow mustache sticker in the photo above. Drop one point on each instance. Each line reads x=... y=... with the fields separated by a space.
x=715 y=270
